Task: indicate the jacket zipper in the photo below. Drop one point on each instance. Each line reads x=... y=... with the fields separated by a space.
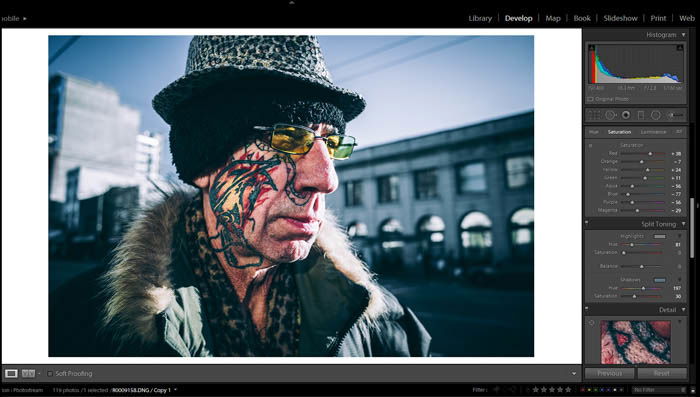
x=335 y=347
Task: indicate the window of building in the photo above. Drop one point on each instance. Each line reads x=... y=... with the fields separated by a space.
x=353 y=193
x=357 y=229
x=390 y=234
x=388 y=188
x=522 y=225
x=392 y=242
x=426 y=184
x=471 y=177
x=72 y=205
x=521 y=171
x=431 y=239
x=361 y=244
x=477 y=239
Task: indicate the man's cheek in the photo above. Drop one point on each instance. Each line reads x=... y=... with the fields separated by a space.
x=264 y=194
x=229 y=202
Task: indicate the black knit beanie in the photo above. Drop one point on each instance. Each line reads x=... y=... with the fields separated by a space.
x=208 y=128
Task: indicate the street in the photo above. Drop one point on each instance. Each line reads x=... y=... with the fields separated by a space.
x=61 y=271
x=467 y=321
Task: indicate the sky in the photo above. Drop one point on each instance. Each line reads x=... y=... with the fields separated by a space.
x=413 y=85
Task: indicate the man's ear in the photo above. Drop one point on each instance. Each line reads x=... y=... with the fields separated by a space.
x=203 y=182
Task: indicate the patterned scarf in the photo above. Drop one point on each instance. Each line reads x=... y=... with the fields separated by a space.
x=230 y=320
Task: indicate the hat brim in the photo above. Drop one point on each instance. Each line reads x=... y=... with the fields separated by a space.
x=167 y=100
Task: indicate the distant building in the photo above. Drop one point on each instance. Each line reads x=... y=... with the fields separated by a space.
x=464 y=195
x=95 y=138
x=85 y=182
x=89 y=128
x=148 y=153
x=100 y=221
x=148 y=149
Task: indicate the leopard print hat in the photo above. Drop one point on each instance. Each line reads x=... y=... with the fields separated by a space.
x=216 y=60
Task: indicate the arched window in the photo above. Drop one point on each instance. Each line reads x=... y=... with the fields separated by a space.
x=477 y=242
x=391 y=245
x=357 y=229
x=522 y=233
x=358 y=233
x=430 y=233
x=390 y=233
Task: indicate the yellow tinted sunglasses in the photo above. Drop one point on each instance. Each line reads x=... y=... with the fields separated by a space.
x=297 y=139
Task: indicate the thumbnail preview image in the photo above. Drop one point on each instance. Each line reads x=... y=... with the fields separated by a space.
x=635 y=342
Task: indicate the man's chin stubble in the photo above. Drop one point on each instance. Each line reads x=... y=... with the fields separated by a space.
x=292 y=252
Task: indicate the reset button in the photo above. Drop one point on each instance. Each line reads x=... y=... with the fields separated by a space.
x=662 y=373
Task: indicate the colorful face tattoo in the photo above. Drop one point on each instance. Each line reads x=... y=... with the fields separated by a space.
x=635 y=342
x=229 y=319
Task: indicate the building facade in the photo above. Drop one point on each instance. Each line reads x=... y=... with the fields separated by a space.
x=101 y=168
x=456 y=198
x=89 y=128
x=95 y=145
x=148 y=149
x=148 y=146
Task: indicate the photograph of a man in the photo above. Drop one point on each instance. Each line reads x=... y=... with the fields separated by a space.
x=252 y=264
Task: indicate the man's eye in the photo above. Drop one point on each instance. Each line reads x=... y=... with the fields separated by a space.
x=284 y=141
x=333 y=141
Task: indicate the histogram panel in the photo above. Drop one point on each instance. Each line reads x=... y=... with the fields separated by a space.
x=636 y=63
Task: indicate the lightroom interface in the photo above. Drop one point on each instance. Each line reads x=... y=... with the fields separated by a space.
x=298 y=204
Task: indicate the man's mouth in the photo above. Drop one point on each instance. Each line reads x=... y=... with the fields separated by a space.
x=304 y=225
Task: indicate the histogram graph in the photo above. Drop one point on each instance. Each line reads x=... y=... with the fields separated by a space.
x=636 y=63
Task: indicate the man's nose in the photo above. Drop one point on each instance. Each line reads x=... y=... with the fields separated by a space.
x=315 y=171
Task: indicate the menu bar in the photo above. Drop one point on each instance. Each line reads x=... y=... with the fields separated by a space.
x=304 y=14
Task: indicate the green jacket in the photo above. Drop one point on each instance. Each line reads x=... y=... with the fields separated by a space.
x=146 y=302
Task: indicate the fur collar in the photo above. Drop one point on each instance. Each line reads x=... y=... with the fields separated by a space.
x=138 y=285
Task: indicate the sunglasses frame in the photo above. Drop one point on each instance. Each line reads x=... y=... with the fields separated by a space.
x=324 y=138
